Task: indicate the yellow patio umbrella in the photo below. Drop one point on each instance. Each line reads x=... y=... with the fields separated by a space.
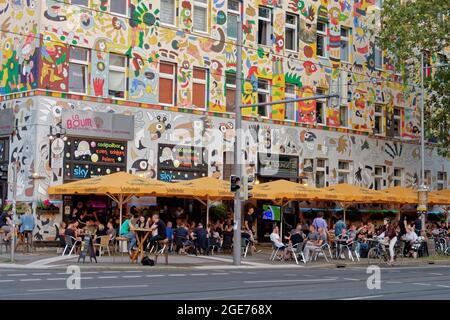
x=120 y=187
x=439 y=197
x=348 y=193
x=203 y=189
x=400 y=195
x=283 y=189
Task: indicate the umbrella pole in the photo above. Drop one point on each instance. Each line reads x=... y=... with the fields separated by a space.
x=207 y=213
x=120 y=203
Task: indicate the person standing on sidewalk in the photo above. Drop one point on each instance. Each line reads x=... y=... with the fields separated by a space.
x=248 y=231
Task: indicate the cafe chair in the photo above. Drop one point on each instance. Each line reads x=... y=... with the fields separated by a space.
x=245 y=245
x=71 y=244
x=322 y=250
x=275 y=251
x=104 y=243
x=162 y=249
x=297 y=251
x=3 y=243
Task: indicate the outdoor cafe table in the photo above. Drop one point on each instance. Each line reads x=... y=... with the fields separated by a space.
x=141 y=235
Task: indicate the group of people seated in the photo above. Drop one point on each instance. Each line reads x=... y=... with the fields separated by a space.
x=355 y=237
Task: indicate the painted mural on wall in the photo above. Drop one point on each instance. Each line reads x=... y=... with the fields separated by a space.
x=19 y=59
x=147 y=42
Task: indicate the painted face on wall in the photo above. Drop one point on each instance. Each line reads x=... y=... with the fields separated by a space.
x=156 y=129
x=53 y=11
x=310 y=67
x=279 y=43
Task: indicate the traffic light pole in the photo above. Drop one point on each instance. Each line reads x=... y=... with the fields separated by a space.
x=238 y=148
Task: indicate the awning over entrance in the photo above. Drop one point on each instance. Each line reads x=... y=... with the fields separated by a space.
x=280 y=190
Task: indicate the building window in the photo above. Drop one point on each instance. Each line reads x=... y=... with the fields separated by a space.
x=84 y=3
x=378 y=55
x=167 y=83
x=397 y=122
x=263 y=96
x=228 y=164
x=321 y=39
x=117 y=75
x=441 y=180
x=320 y=108
x=344 y=168
x=397 y=177
x=199 y=94
x=78 y=70
x=345 y=44
x=290 y=108
x=119 y=7
x=291 y=32
x=321 y=173
x=168 y=10
x=428 y=178
x=379 y=180
x=233 y=16
x=378 y=121
x=264 y=26
x=201 y=15
x=379 y=4
x=343 y=116
x=230 y=91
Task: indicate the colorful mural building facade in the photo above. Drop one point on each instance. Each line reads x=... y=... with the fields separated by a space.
x=131 y=81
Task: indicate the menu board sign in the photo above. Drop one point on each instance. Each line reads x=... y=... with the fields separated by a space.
x=177 y=162
x=98 y=124
x=86 y=158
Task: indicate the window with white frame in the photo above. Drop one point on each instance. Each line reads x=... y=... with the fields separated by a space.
x=345 y=44
x=378 y=52
x=378 y=119
x=78 y=70
x=321 y=35
x=344 y=169
x=264 y=26
x=167 y=83
x=168 y=12
x=379 y=177
x=84 y=3
x=397 y=177
x=321 y=173
x=343 y=116
x=291 y=32
x=397 y=122
x=230 y=80
x=199 y=91
x=441 y=181
x=428 y=178
x=119 y=7
x=232 y=18
x=117 y=75
x=201 y=15
x=290 y=109
x=263 y=96
x=320 y=108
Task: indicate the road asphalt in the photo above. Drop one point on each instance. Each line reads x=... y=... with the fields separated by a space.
x=250 y=283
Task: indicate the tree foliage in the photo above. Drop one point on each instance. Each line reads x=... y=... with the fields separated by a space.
x=409 y=28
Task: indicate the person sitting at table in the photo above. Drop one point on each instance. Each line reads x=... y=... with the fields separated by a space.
x=181 y=237
x=275 y=238
x=125 y=231
x=201 y=238
x=140 y=223
x=110 y=230
x=169 y=231
x=314 y=241
x=410 y=237
x=296 y=235
x=160 y=227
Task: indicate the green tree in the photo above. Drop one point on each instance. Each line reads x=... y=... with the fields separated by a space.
x=410 y=28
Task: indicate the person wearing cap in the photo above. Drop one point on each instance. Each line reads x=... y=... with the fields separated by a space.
x=390 y=237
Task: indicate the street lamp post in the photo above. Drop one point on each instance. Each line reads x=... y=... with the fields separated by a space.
x=423 y=190
x=15 y=168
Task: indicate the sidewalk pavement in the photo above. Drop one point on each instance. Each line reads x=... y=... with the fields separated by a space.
x=49 y=259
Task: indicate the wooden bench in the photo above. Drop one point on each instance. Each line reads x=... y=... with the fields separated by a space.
x=163 y=249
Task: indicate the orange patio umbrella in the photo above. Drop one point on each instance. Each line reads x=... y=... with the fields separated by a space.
x=401 y=195
x=439 y=197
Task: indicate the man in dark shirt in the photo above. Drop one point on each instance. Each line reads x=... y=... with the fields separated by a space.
x=181 y=236
x=201 y=235
x=160 y=227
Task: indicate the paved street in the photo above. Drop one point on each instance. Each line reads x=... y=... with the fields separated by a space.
x=424 y=282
